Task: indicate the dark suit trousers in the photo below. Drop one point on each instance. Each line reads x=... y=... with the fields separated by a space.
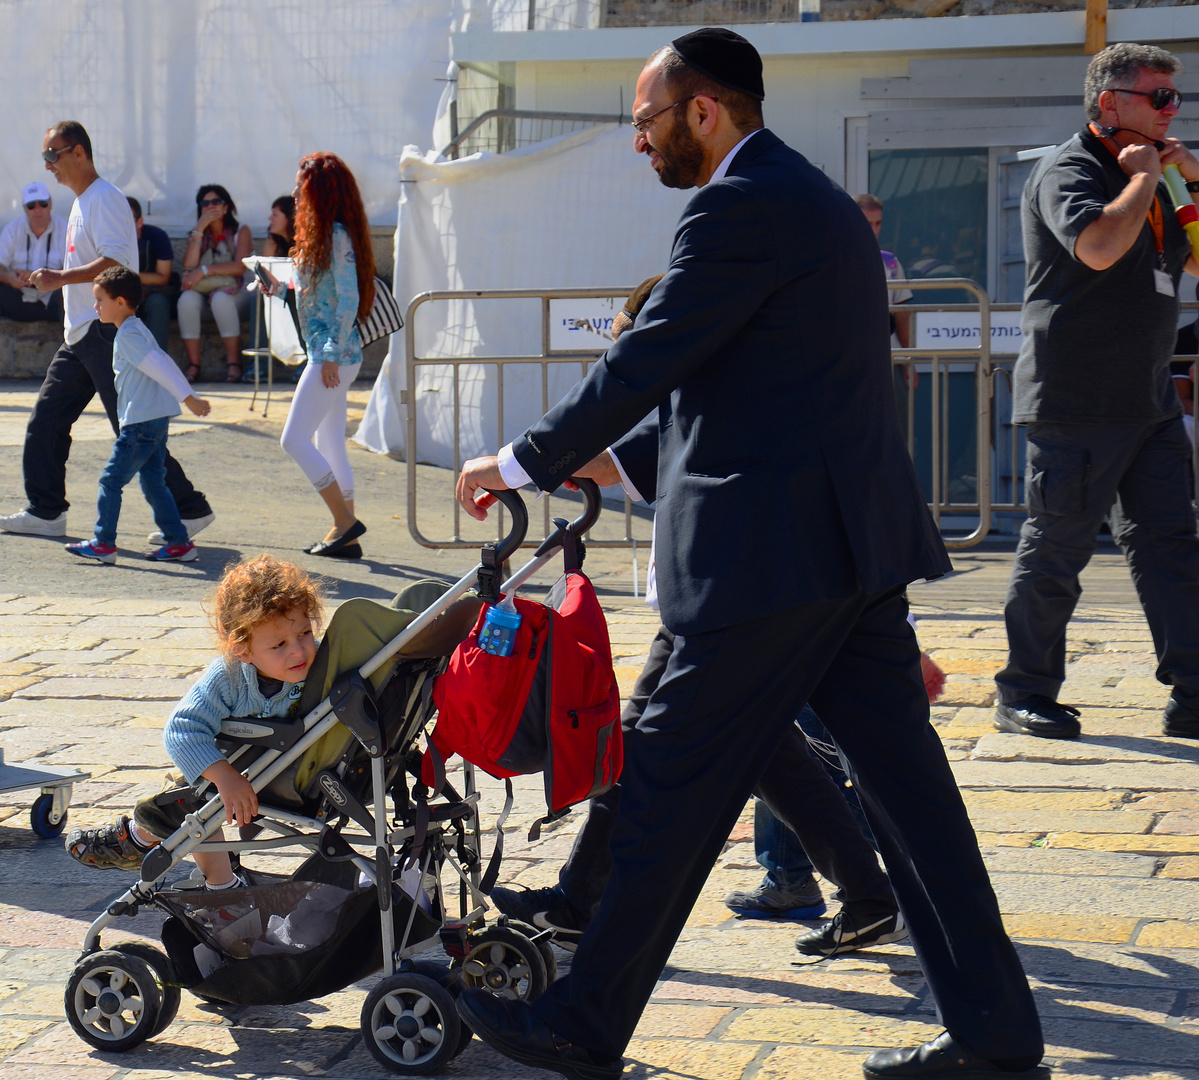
x=795 y=786
x=723 y=704
x=77 y=374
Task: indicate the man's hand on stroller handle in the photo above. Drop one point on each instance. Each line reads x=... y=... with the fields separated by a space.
x=480 y=472
x=236 y=792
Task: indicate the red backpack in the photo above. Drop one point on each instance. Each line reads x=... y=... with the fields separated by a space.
x=552 y=706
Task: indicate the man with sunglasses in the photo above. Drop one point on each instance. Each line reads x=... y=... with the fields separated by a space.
x=36 y=239
x=99 y=234
x=1104 y=254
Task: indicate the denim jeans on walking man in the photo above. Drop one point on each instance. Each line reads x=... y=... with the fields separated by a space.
x=140 y=450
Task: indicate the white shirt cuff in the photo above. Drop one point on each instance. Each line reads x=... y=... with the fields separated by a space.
x=511 y=470
x=628 y=485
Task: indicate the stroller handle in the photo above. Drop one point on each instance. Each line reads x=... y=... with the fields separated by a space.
x=591 y=511
x=515 y=505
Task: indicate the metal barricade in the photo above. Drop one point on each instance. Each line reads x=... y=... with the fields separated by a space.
x=998 y=444
x=545 y=358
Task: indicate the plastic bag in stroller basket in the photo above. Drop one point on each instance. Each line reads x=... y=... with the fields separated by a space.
x=281 y=943
x=552 y=706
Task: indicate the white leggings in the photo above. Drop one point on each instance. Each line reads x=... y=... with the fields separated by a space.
x=224 y=312
x=318 y=410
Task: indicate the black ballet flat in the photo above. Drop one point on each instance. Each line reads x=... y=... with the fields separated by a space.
x=331 y=547
x=346 y=551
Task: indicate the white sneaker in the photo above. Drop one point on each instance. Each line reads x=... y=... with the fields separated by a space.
x=31 y=525
x=192 y=525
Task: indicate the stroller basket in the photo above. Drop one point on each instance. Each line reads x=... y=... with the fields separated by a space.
x=281 y=943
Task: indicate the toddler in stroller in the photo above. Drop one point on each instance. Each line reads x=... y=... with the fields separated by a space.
x=342 y=782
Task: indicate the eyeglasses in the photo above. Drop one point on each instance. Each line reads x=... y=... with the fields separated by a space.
x=211 y=202
x=43 y=203
x=640 y=126
x=1161 y=98
x=51 y=155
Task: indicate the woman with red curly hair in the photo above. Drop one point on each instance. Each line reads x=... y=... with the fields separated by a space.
x=335 y=272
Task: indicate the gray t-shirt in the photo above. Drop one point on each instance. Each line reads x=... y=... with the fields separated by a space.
x=1097 y=343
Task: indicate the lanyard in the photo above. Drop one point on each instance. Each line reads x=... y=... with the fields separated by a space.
x=1156 y=222
x=29 y=241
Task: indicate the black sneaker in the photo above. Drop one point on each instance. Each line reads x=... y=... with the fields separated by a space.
x=1181 y=720
x=843 y=933
x=547 y=909
x=1040 y=716
x=110 y=847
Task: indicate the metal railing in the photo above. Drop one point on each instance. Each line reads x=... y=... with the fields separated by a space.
x=545 y=358
x=998 y=444
x=510 y=128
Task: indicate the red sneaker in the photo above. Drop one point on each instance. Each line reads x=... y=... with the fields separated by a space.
x=185 y=552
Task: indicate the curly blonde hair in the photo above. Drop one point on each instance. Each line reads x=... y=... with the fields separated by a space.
x=256 y=590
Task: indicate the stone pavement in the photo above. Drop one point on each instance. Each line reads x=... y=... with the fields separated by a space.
x=1091 y=844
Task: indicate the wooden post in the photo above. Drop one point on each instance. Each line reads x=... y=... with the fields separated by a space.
x=1096 y=26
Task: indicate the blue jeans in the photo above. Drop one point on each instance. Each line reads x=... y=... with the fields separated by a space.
x=140 y=450
x=776 y=847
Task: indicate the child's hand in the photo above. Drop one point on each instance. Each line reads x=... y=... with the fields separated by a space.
x=200 y=406
x=934 y=677
x=241 y=804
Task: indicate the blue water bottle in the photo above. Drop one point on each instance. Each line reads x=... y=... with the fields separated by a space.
x=498 y=635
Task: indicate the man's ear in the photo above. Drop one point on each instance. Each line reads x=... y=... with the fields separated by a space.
x=707 y=110
x=1106 y=100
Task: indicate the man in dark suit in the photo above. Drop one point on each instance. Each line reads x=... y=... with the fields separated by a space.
x=789 y=521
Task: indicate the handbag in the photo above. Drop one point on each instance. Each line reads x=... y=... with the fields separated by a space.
x=211 y=283
x=384 y=317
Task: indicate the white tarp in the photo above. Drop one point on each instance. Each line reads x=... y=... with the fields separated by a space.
x=578 y=211
x=222 y=91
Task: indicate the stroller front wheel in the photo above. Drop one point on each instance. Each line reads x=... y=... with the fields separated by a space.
x=113 y=1000
x=410 y=1024
x=507 y=963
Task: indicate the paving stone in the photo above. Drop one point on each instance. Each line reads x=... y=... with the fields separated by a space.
x=813 y=986
x=46 y=1072
x=1182 y=866
x=1090 y=1002
x=840 y=1027
x=15 y=1031
x=679 y=1059
x=1088 y=821
x=1116 y=897
x=1177 y=822
x=1123 y=776
x=1070 y=928
x=1181 y=845
x=1086 y=750
x=791 y=1062
x=1042 y=860
x=679 y=1021
x=1036 y=801
x=1166 y=801
x=116 y=689
x=1146 y=1044
x=1173 y=934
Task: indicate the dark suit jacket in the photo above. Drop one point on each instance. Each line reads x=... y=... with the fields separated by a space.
x=778 y=465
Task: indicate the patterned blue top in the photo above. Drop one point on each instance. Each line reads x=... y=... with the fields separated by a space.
x=328 y=306
x=227 y=688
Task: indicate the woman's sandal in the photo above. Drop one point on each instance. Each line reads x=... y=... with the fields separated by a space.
x=233 y=373
x=192 y=373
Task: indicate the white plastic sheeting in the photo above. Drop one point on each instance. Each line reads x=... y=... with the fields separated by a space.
x=580 y=210
x=223 y=91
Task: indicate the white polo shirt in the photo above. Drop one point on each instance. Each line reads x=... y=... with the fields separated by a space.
x=100 y=225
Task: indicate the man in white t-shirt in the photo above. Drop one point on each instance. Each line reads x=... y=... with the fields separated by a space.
x=37 y=238
x=100 y=234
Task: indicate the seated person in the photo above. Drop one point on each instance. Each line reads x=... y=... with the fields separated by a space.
x=280 y=234
x=37 y=240
x=265 y=613
x=213 y=271
x=160 y=285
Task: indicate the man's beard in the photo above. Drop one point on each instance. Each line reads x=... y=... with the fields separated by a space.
x=682 y=157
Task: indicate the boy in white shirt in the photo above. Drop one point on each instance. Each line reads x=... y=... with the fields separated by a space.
x=149 y=388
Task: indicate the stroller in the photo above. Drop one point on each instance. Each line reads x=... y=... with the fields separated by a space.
x=369 y=896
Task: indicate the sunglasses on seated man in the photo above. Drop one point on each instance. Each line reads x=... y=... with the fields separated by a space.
x=1161 y=98
x=55 y=152
x=43 y=203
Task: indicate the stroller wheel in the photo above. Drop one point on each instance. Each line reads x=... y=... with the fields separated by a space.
x=164 y=974
x=451 y=979
x=113 y=1001
x=542 y=939
x=410 y=1024
x=504 y=961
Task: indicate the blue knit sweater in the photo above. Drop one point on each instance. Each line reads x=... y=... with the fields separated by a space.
x=227 y=688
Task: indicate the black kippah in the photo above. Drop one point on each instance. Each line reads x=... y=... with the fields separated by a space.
x=725 y=57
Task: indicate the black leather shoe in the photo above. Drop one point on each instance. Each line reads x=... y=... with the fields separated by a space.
x=512 y=1028
x=941 y=1059
x=345 y=540
x=1040 y=716
x=1181 y=719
